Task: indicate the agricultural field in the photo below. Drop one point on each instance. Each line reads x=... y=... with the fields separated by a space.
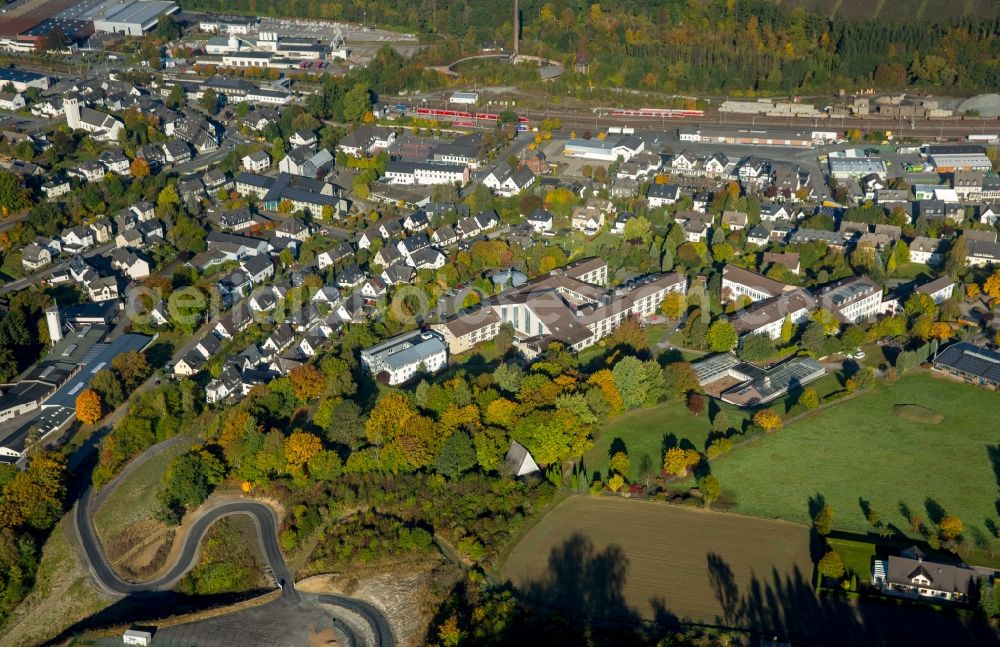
x=641 y=556
x=619 y=559
x=862 y=452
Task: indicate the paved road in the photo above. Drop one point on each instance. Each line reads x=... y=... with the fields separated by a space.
x=20 y=284
x=267 y=529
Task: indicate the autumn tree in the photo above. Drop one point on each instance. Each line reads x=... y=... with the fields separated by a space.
x=710 y=489
x=307 y=381
x=630 y=335
x=823 y=521
x=677 y=461
x=767 y=420
x=34 y=497
x=992 y=285
x=88 y=407
x=139 y=168
x=951 y=527
x=605 y=381
x=681 y=379
x=300 y=447
x=721 y=336
x=831 y=565
x=809 y=399
x=388 y=418
x=786 y=330
x=673 y=305
x=132 y=368
x=620 y=463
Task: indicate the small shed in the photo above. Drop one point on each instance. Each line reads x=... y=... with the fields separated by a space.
x=519 y=460
x=137 y=637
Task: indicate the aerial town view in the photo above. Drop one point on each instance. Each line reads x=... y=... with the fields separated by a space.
x=377 y=323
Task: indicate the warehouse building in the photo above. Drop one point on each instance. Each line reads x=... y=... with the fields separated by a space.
x=133 y=18
x=948 y=159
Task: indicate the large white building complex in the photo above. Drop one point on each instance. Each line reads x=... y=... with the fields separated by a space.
x=569 y=305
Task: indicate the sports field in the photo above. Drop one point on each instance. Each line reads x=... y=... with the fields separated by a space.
x=859 y=450
x=604 y=559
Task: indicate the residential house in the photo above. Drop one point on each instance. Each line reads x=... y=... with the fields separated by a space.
x=982 y=253
x=34 y=257
x=306 y=162
x=102 y=230
x=789 y=260
x=444 y=236
x=90 y=171
x=912 y=575
x=256 y=162
x=772 y=212
x=350 y=276
x=114 y=161
x=130 y=264
x=506 y=181
x=259 y=269
x=587 y=220
x=293 y=228
x=280 y=338
x=734 y=220
x=56 y=188
x=76 y=239
x=416 y=221
x=373 y=288
x=398 y=274
x=659 y=195
x=340 y=252
x=368 y=238
x=216 y=180
x=927 y=251
x=303 y=138
x=940 y=289
x=540 y=221
x=364 y=141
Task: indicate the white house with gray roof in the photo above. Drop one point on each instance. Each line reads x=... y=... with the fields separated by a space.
x=403 y=356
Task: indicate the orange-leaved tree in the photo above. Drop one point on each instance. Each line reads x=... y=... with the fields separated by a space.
x=88 y=406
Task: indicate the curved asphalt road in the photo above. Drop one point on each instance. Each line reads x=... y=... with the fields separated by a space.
x=267 y=530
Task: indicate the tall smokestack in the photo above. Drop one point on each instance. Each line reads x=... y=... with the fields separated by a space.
x=517 y=28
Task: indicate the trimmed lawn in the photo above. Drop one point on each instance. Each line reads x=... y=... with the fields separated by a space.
x=649 y=432
x=858 y=450
x=857 y=556
x=652 y=430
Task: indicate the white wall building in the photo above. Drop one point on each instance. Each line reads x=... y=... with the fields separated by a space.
x=403 y=356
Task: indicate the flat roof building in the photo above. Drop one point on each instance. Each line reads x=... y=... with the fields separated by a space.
x=133 y=18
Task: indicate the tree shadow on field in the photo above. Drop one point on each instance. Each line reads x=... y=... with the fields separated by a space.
x=783 y=606
x=816 y=504
x=617 y=445
x=993 y=451
x=935 y=511
x=584 y=582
